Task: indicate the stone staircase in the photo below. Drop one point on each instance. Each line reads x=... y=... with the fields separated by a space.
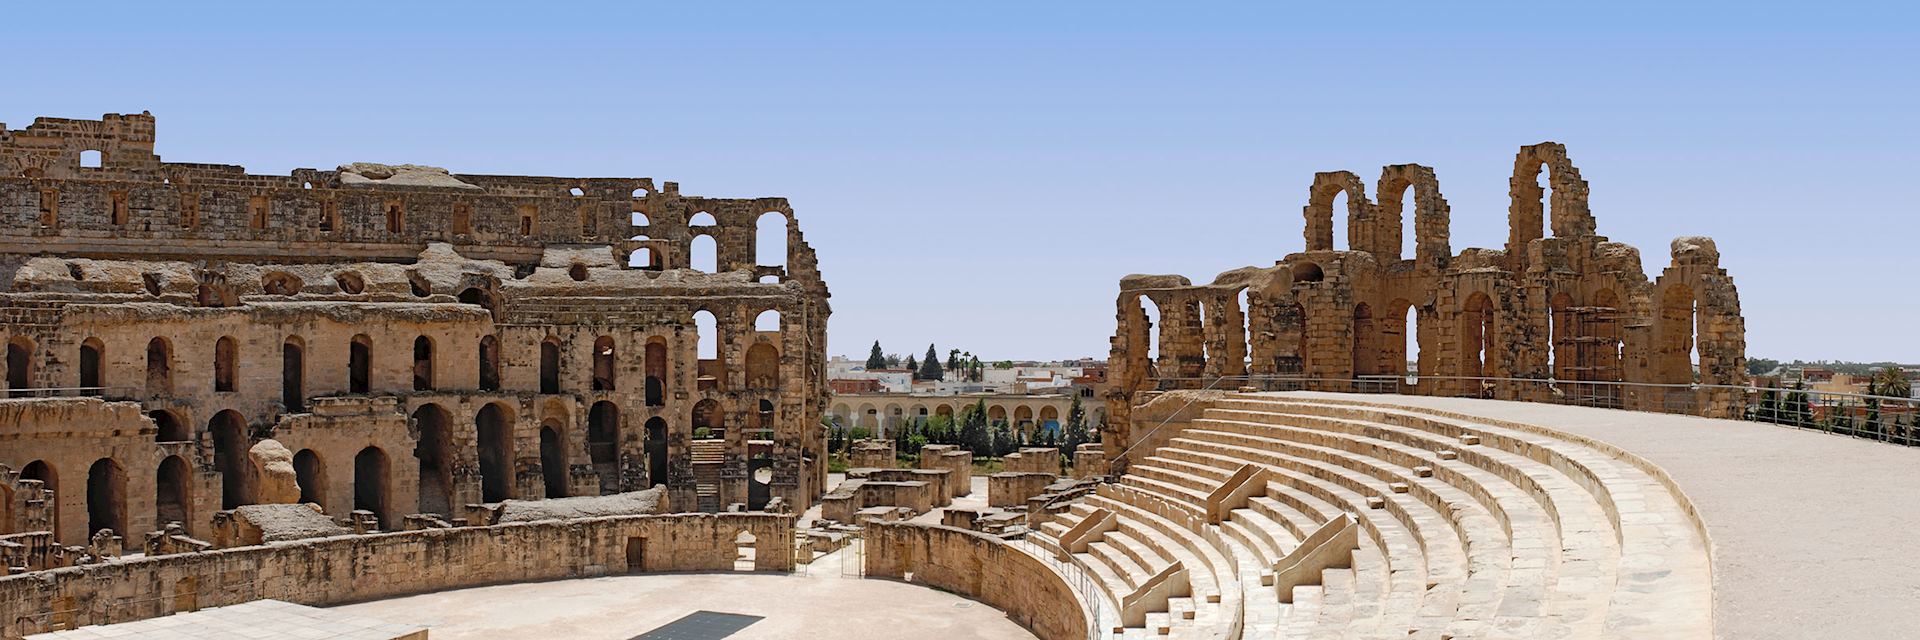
x=1460 y=529
x=709 y=461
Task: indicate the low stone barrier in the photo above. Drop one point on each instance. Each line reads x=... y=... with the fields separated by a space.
x=337 y=570
x=981 y=567
x=1012 y=488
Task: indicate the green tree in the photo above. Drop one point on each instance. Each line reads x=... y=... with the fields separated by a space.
x=1076 y=428
x=915 y=368
x=893 y=361
x=1005 y=441
x=973 y=430
x=1796 y=410
x=876 y=359
x=930 y=366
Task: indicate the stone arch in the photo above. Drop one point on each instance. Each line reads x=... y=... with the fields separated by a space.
x=703 y=253
x=230 y=443
x=605 y=364
x=1327 y=187
x=107 y=497
x=868 y=417
x=422 y=363
x=1049 y=417
x=20 y=365
x=943 y=409
x=553 y=461
x=173 y=497
x=371 y=484
x=1525 y=214
x=1400 y=334
x=765 y=418
x=770 y=239
x=656 y=368
x=996 y=413
x=1023 y=417
x=1308 y=271
x=550 y=365
x=489 y=363
x=708 y=416
x=712 y=370
x=168 y=427
x=226 y=362
x=50 y=480
x=293 y=374
x=763 y=366
x=656 y=451
x=494 y=427
x=433 y=451
x=93 y=355
x=1479 y=353
x=159 y=367
x=892 y=417
x=310 y=472
x=360 y=364
x=603 y=444
x=281 y=283
x=1429 y=243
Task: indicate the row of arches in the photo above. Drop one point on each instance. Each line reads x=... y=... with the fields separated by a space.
x=704 y=237
x=882 y=417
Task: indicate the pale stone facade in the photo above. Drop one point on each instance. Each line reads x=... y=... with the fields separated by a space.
x=420 y=341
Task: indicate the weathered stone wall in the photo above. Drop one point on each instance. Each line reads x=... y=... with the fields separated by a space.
x=1013 y=488
x=979 y=567
x=335 y=311
x=1557 y=302
x=368 y=567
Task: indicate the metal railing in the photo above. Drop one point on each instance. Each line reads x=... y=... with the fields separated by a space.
x=1890 y=419
x=110 y=393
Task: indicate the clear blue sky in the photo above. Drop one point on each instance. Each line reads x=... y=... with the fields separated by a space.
x=981 y=175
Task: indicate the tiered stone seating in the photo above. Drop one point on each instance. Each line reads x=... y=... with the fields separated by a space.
x=1468 y=528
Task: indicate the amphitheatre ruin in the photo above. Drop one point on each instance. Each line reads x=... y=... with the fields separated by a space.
x=395 y=401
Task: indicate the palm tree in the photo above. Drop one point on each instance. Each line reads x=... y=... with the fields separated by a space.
x=1890 y=381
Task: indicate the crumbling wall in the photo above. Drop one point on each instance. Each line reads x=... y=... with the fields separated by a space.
x=981 y=567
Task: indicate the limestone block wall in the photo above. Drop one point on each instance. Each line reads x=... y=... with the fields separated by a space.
x=356 y=568
x=958 y=463
x=872 y=454
x=1013 y=488
x=1558 y=309
x=1033 y=460
x=981 y=567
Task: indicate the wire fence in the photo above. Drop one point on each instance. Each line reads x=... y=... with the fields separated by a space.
x=1891 y=419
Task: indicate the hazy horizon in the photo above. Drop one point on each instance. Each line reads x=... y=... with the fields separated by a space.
x=981 y=176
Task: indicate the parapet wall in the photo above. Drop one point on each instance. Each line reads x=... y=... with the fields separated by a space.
x=345 y=569
x=981 y=567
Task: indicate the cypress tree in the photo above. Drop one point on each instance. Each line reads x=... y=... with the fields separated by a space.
x=930 y=366
x=876 y=359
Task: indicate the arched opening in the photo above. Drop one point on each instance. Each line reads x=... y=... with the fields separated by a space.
x=767 y=321
x=1341 y=239
x=712 y=370
x=419 y=285
x=1677 y=357
x=1049 y=418
x=293 y=376
x=1561 y=360
x=1400 y=332
x=656 y=367
x=1308 y=272
x=480 y=298
x=19 y=366
x=394 y=223
x=644 y=258
x=550 y=365
x=159 y=367
x=656 y=451
x=280 y=283
x=168 y=427
x=577 y=272
x=489 y=363
x=434 y=450
x=91 y=159
x=1477 y=345
x=311 y=474
x=995 y=413
x=350 y=282
x=702 y=219
x=553 y=460
x=171 y=501
x=422 y=364
x=230 y=458
x=603 y=364
x=744 y=556
x=40 y=470
x=1246 y=333
x=763 y=366
x=1409 y=230
x=370 y=483
x=1023 y=418
x=770 y=239
x=225 y=360
x=1366 y=354
x=707 y=420
x=1152 y=328
x=603 y=444
x=704 y=254
x=496 y=453
x=107 y=497
x=92 y=354
x=359 y=364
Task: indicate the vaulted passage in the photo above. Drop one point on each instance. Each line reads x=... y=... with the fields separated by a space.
x=495 y=429
x=311 y=473
x=159 y=367
x=293 y=356
x=172 y=501
x=603 y=364
x=359 y=364
x=230 y=443
x=550 y=366
x=489 y=363
x=434 y=451
x=656 y=451
x=422 y=364
x=107 y=497
x=656 y=365
x=370 y=483
x=92 y=353
x=553 y=460
x=603 y=444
